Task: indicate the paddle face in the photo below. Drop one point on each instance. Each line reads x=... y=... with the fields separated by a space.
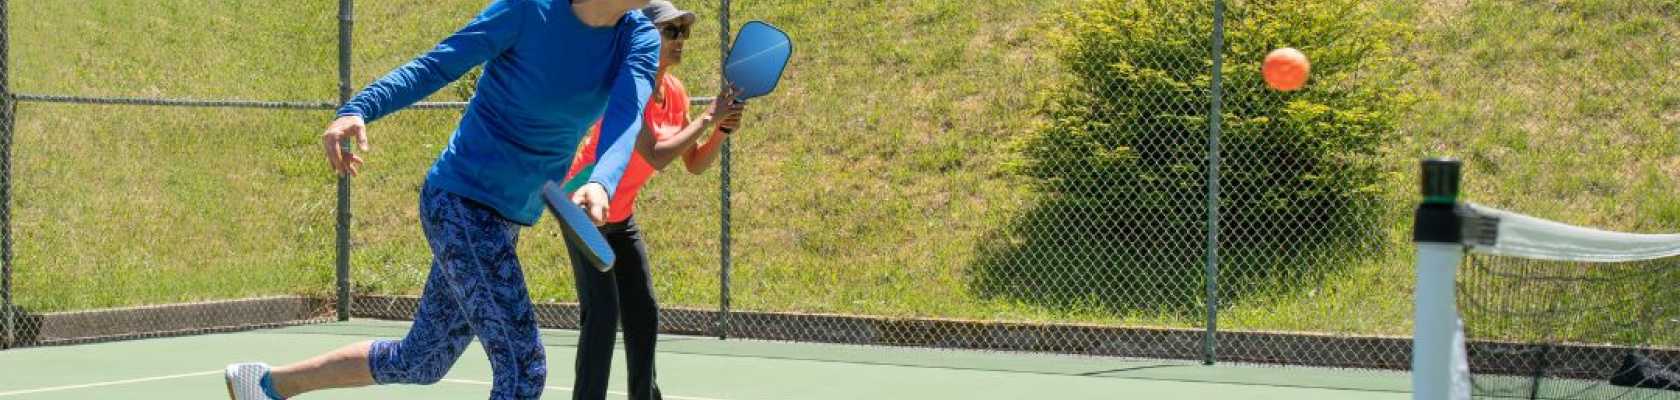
x=577 y=228
x=757 y=58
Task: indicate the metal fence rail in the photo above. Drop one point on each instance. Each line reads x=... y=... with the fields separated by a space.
x=148 y=101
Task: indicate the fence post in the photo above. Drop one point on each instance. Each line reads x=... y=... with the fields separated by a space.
x=1210 y=339
x=723 y=184
x=345 y=23
x=8 y=326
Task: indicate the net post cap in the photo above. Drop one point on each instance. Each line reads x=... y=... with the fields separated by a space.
x=1441 y=177
x=1437 y=220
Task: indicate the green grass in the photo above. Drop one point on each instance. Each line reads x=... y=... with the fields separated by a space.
x=1578 y=122
x=122 y=205
x=868 y=184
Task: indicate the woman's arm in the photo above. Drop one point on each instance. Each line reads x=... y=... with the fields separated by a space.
x=491 y=33
x=622 y=123
x=488 y=35
x=700 y=157
x=660 y=153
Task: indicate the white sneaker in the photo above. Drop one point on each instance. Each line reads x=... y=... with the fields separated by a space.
x=244 y=381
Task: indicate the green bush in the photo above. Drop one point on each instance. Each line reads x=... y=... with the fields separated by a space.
x=1124 y=147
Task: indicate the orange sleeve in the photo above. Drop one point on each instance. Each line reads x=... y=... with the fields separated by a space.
x=585 y=152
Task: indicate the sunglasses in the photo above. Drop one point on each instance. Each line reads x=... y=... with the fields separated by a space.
x=674 y=32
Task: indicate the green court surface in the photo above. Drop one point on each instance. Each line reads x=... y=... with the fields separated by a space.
x=692 y=368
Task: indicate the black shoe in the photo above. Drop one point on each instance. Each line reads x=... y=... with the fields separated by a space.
x=1641 y=371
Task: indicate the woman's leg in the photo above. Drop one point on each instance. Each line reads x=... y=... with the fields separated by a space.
x=439 y=334
x=640 y=309
x=434 y=341
x=597 y=325
x=475 y=249
x=423 y=356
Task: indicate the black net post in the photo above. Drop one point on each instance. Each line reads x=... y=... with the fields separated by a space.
x=1210 y=339
x=8 y=326
x=723 y=185
x=345 y=24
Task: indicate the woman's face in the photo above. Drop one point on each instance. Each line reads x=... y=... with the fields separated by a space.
x=673 y=34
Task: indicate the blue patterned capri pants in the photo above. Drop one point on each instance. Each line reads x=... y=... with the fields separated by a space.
x=475 y=288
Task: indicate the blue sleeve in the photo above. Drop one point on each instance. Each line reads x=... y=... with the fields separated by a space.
x=489 y=34
x=622 y=123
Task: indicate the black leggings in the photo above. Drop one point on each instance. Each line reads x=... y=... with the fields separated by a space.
x=601 y=298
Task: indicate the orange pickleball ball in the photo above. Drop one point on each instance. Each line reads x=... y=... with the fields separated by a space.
x=1286 y=69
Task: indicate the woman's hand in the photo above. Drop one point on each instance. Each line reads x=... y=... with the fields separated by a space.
x=732 y=119
x=340 y=130
x=724 y=101
x=593 y=198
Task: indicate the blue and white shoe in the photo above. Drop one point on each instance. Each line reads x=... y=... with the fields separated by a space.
x=244 y=381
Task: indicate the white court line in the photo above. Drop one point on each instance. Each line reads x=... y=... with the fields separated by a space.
x=193 y=374
x=121 y=382
x=472 y=382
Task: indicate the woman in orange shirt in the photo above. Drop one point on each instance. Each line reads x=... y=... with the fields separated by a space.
x=625 y=294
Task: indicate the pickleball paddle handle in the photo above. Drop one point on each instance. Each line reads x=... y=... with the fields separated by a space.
x=733 y=102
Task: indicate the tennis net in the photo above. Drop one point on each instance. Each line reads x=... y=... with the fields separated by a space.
x=1511 y=306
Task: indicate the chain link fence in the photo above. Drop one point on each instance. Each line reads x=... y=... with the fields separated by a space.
x=142 y=197
x=1079 y=176
x=8 y=312
x=1078 y=173
x=913 y=224
x=1081 y=195
x=1307 y=205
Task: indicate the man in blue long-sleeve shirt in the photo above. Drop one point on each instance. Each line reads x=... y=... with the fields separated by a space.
x=551 y=68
